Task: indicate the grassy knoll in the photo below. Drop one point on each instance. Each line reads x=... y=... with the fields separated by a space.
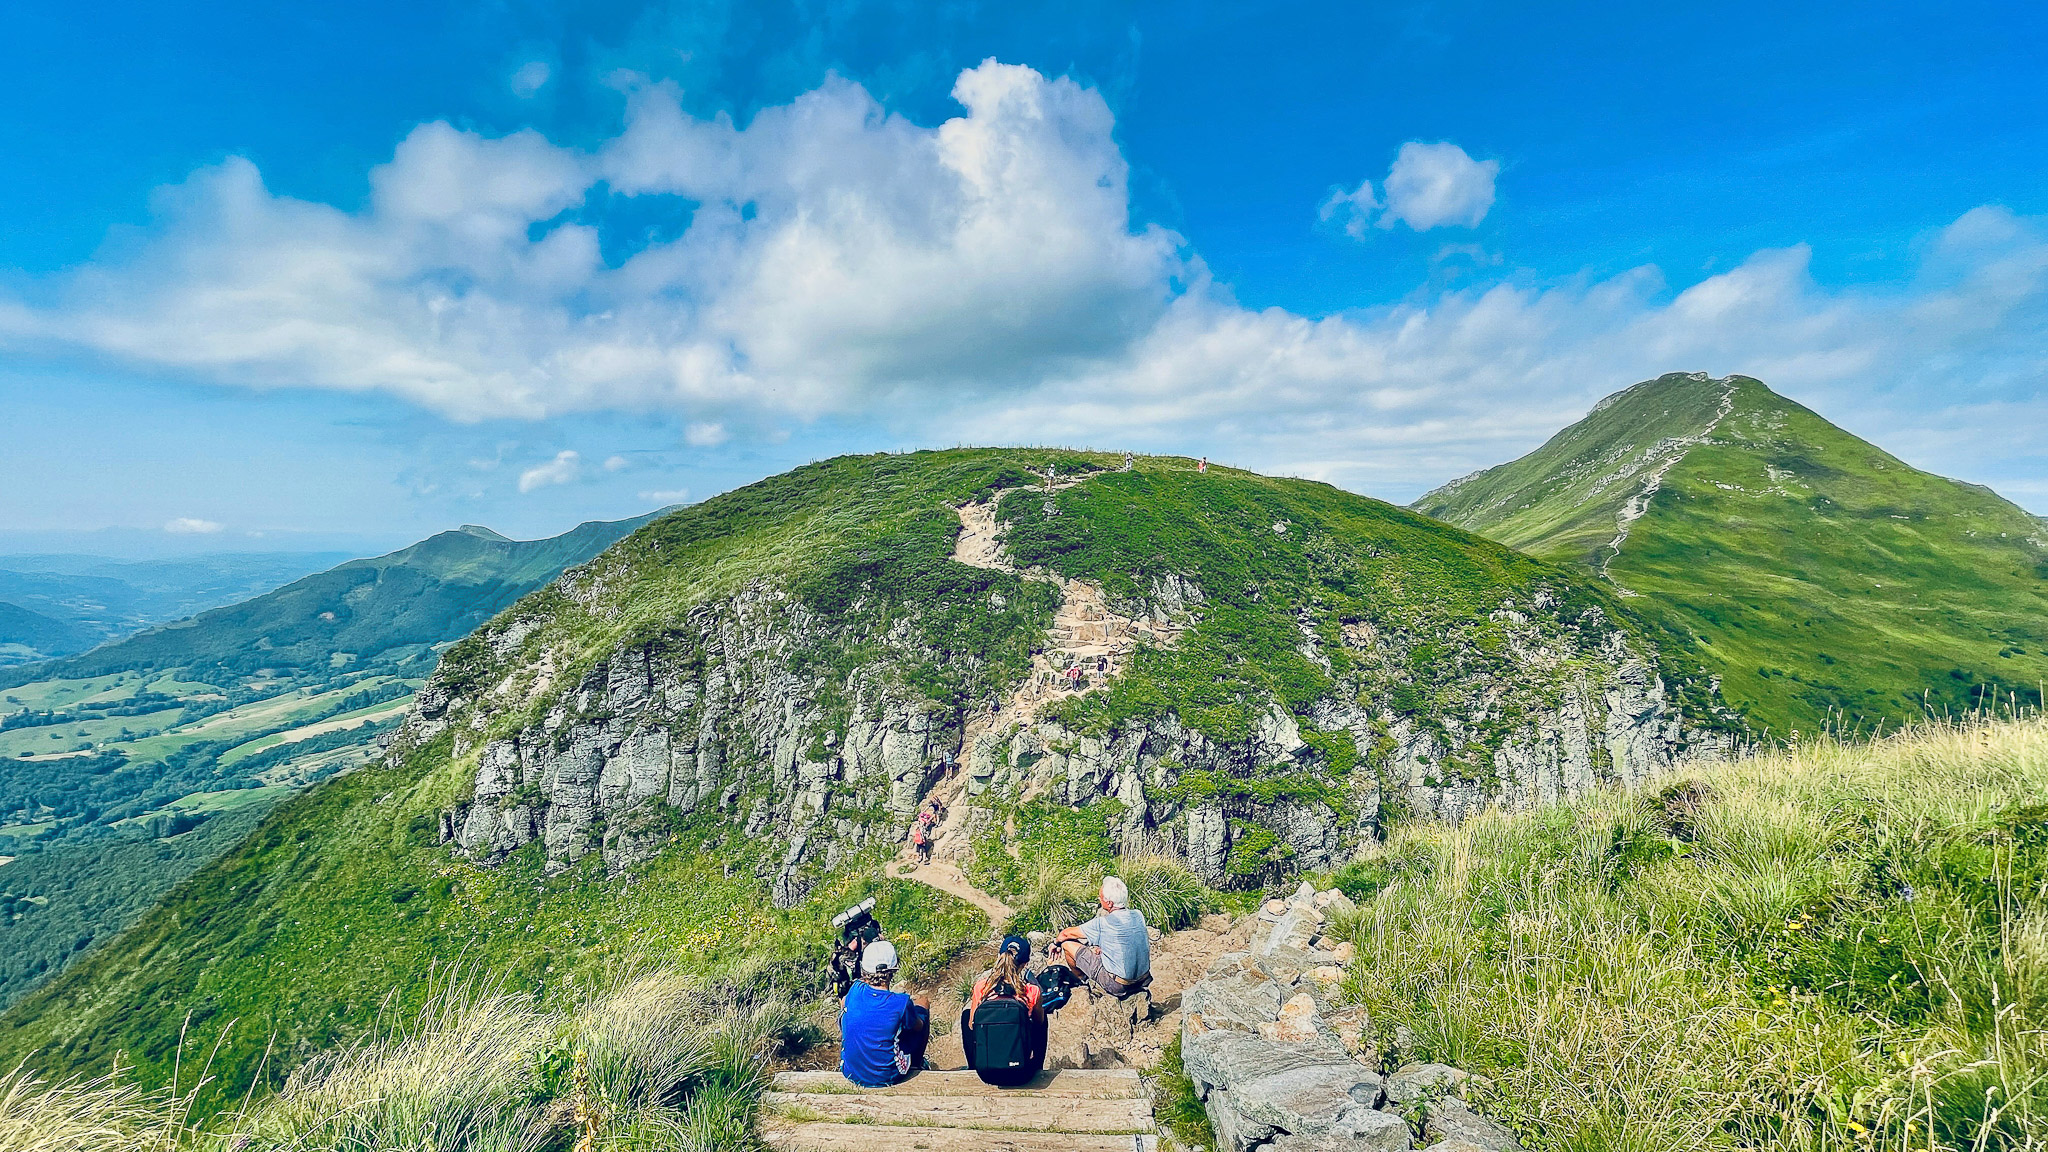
x=1839 y=946
x=1824 y=580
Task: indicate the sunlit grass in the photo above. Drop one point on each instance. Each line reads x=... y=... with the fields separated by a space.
x=653 y=1060
x=1838 y=946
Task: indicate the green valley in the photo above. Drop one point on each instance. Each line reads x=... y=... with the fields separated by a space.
x=115 y=765
x=1824 y=580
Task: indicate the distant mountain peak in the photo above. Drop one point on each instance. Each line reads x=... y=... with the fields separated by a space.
x=1827 y=579
x=482 y=533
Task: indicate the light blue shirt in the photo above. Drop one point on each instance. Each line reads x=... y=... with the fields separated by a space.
x=1126 y=948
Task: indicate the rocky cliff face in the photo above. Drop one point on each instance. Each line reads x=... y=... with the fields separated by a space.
x=715 y=717
x=1566 y=719
x=814 y=733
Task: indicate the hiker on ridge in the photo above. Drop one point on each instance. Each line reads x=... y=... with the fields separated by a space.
x=882 y=1034
x=1113 y=950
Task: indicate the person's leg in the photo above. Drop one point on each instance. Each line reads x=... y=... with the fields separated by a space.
x=917 y=1031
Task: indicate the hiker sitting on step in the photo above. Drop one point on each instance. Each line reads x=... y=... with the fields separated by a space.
x=1113 y=950
x=1002 y=1028
x=882 y=1034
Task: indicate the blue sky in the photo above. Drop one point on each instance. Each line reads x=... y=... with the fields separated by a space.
x=358 y=275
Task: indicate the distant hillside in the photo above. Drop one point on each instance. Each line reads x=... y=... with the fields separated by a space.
x=739 y=707
x=1819 y=575
x=27 y=635
x=108 y=760
x=390 y=609
x=93 y=599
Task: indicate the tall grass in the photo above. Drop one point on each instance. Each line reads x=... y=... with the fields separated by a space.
x=1056 y=896
x=653 y=1061
x=97 y=1115
x=1834 y=946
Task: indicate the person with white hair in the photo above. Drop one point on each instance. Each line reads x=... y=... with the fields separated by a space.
x=882 y=1034
x=1113 y=951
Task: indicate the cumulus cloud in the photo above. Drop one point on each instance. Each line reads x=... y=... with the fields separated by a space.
x=979 y=280
x=667 y=496
x=1434 y=185
x=192 y=526
x=1429 y=186
x=616 y=463
x=565 y=467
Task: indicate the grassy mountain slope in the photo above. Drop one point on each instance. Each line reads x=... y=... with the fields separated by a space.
x=1817 y=573
x=107 y=760
x=1834 y=947
x=346 y=891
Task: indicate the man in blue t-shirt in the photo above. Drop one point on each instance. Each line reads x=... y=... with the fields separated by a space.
x=882 y=1034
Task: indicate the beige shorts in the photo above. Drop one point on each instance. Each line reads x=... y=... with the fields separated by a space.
x=1089 y=961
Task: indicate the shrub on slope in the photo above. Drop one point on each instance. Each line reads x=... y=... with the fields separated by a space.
x=1838 y=946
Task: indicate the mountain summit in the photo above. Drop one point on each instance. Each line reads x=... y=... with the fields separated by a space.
x=1823 y=578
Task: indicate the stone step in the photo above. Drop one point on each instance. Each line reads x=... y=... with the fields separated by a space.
x=1071 y=1083
x=1009 y=1112
x=830 y=1137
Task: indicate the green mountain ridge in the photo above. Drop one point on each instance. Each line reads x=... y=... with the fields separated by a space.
x=694 y=748
x=94 y=599
x=1824 y=580
x=110 y=759
x=389 y=609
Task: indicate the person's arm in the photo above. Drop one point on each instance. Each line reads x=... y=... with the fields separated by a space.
x=1091 y=932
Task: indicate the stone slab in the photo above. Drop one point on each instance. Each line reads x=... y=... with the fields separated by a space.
x=1096 y=1084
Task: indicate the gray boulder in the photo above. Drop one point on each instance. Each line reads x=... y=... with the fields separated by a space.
x=1223 y=1058
x=1454 y=1120
x=1415 y=1081
x=1367 y=1130
x=1311 y=1101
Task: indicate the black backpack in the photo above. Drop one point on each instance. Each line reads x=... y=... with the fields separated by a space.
x=1003 y=1037
x=1056 y=983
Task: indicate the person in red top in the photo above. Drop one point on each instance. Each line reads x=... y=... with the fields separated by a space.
x=1003 y=1026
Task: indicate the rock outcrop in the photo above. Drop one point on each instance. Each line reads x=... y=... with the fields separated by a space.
x=1281 y=1067
x=812 y=732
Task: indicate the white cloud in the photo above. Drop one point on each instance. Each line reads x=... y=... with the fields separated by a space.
x=1355 y=208
x=530 y=77
x=1429 y=186
x=981 y=281
x=192 y=526
x=616 y=463
x=564 y=468
x=1434 y=185
x=667 y=496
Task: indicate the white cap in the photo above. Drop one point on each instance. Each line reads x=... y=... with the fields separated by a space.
x=879 y=956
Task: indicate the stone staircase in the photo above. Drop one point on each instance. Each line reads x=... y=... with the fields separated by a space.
x=1061 y=1111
